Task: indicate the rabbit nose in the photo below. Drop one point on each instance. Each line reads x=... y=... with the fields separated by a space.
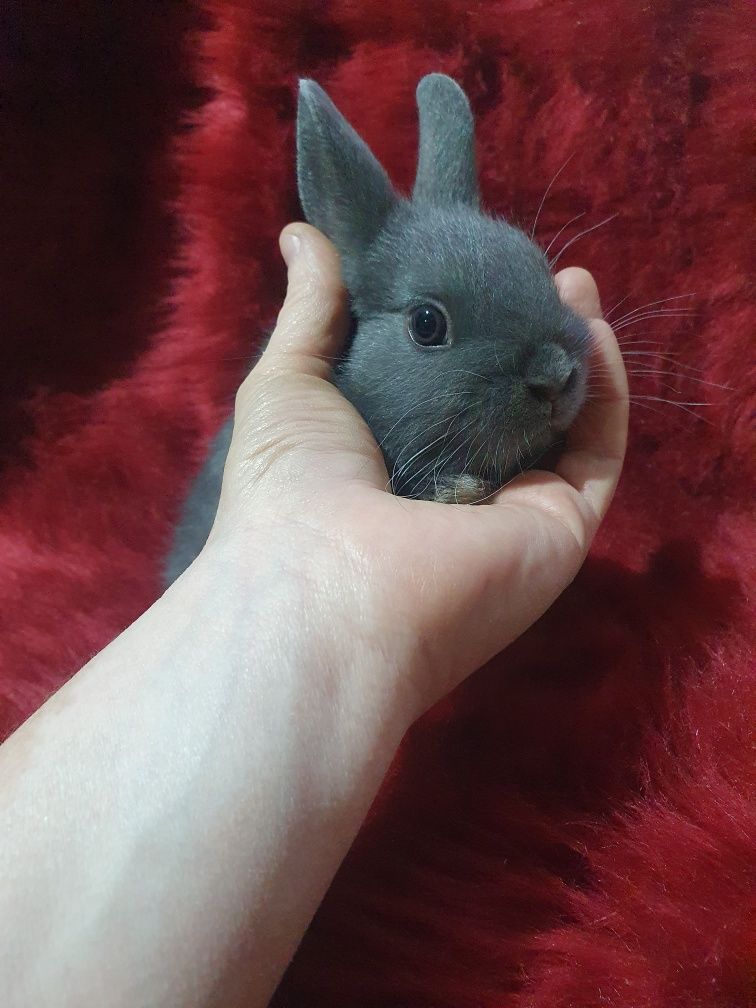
x=549 y=373
x=549 y=389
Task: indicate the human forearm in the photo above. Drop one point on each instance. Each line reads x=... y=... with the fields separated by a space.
x=173 y=816
x=175 y=813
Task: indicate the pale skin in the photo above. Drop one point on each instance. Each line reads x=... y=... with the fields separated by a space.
x=173 y=816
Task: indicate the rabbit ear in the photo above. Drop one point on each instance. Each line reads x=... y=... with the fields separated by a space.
x=344 y=191
x=446 y=161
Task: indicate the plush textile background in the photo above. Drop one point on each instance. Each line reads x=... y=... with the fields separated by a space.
x=575 y=827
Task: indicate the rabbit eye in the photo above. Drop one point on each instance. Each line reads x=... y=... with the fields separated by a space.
x=427 y=326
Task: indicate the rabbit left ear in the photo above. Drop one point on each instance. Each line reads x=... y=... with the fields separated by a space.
x=343 y=189
x=446 y=172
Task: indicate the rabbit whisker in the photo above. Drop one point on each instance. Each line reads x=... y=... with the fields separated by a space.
x=426 y=470
x=669 y=357
x=608 y=314
x=397 y=474
x=445 y=459
x=659 y=313
x=561 y=229
x=477 y=453
x=429 y=466
x=423 y=402
x=652 y=375
x=545 y=195
x=643 y=400
x=684 y=377
x=582 y=234
x=470 y=374
x=651 y=304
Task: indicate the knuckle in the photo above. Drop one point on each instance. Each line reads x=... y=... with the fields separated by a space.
x=270 y=451
x=316 y=300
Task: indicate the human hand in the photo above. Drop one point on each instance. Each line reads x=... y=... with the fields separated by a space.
x=238 y=731
x=436 y=588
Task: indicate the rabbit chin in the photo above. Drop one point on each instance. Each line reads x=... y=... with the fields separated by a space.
x=536 y=450
x=474 y=477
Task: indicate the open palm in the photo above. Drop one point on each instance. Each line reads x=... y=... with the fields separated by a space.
x=449 y=584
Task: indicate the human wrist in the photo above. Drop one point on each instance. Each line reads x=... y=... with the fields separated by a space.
x=234 y=742
x=295 y=600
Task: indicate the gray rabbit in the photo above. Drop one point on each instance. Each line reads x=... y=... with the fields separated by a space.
x=464 y=362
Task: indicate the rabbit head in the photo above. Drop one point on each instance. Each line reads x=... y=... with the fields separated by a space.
x=464 y=362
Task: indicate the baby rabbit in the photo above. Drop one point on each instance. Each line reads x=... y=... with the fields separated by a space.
x=464 y=362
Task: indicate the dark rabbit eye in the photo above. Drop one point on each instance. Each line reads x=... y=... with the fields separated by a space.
x=427 y=326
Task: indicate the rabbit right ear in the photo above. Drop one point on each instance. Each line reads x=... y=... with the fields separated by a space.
x=446 y=160
x=344 y=191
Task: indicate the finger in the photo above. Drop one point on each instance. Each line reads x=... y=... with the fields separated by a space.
x=579 y=493
x=312 y=323
x=578 y=289
x=597 y=440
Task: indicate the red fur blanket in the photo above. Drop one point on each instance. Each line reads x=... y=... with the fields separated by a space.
x=575 y=826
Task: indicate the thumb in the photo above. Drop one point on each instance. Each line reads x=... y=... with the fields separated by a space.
x=312 y=322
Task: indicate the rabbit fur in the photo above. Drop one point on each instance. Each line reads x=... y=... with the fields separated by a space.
x=457 y=418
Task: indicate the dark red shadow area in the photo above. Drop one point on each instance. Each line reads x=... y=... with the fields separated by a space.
x=574 y=827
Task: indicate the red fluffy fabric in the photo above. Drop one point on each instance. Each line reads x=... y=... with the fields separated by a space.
x=575 y=826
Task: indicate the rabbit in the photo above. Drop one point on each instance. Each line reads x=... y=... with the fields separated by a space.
x=463 y=361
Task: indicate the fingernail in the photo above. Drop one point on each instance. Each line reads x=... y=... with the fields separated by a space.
x=290 y=244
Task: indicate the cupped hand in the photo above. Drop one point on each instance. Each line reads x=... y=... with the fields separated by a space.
x=438 y=588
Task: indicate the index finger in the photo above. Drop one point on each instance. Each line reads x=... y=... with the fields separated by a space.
x=597 y=440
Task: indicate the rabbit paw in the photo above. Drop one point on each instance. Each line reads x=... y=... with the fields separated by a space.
x=463 y=489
